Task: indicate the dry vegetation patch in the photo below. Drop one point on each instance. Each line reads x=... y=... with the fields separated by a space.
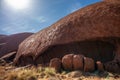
x=41 y=73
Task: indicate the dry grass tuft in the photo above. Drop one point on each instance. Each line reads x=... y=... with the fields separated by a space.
x=23 y=74
x=41 y=73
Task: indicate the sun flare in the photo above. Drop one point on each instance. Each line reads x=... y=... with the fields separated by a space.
x=18 y=4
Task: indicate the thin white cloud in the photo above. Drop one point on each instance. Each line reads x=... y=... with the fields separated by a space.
x=41 y=19
x=75 y=7
x=12 y=29
x=22 y=26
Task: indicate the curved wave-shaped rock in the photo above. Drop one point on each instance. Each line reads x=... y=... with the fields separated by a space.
x=93 y=31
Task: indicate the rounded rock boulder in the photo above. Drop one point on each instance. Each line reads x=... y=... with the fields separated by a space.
x=78 y=62
x=67 y=61
x=55 y=63
x=89 y=64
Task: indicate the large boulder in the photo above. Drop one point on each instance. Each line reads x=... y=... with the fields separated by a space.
x=113 y=66
x=67 y=62
x=10 y=43
x=89 y=64
x=100 y=66
x=56 y=64
x=93 y=31
x=78 y=62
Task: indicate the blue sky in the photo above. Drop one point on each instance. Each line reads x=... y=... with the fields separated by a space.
x=40 y=14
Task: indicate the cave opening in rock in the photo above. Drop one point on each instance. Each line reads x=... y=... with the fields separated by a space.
x=98 y=50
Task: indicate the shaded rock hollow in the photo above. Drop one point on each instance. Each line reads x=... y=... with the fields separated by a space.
x=93 y=31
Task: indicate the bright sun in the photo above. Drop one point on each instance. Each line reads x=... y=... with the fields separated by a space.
x=18 y=4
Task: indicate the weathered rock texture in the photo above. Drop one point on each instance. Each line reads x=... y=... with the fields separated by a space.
x=100 y=66
x=93 y=31
x=10 y=43
x=67 y=62
x=72 y=62
x=78 y=62
x=113 y=1
x=9 y=56
x=56 y=63
x=89 y=64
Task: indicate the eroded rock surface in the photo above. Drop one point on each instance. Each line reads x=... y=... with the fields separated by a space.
x=93 y=31
x=56 y=63
x=78 y=62
x=100 y=66
x=89 y=64
x=67 y=62
x=73 y=62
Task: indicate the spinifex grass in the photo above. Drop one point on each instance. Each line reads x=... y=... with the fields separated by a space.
x=41 y=73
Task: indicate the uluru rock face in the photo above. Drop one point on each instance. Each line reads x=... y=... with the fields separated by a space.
x=113 y=1
x=93 y=31
x=10 y=43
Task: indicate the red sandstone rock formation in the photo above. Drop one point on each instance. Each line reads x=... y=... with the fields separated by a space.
x=100 y=66
x=67 y=62
x=113 y=66
x=78 y=62
x=56 y=63
x=93 y=31
x=89 y=64
x=9 y=56
x=10 y=43
x=113 y=1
